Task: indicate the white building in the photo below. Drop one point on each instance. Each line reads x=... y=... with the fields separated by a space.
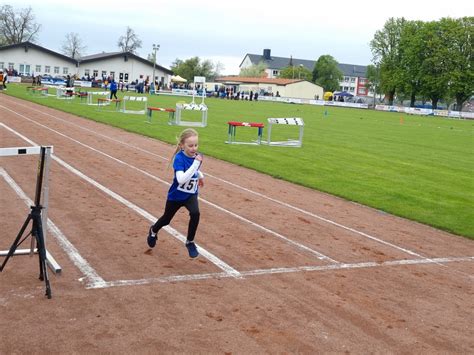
x=31 y=59
x=354 y=76
x=297 y=88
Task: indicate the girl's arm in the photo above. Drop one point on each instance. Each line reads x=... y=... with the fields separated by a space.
x=184 y=176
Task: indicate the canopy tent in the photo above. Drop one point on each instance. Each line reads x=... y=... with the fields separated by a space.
x=343 y=94
x=178 y=79
x=327 y=95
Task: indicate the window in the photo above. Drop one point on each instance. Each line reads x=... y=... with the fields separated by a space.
x=104 y=73
x=38 y=68
x=362 y=91
x=2 y=65
x=353 y=80
x=351 y=89
x=95 y=73
x=56 y=70
x=87 y=72
x=10 y=66
x=346 y=79
x=362 y=81
x=275 y=72
x=24 y=69
x=65 y=70
x=346 y=88
x=47 y=69
x=112 y=74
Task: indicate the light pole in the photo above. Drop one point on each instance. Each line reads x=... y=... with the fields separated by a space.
x=299 y=71
x=155 y=48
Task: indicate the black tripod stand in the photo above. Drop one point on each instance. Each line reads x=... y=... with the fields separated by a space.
x=37 y=229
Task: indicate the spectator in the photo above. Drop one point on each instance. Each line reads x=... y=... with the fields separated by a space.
x=113 y=89
x=1 y=79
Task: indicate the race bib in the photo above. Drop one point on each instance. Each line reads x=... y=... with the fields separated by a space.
x=189 y=187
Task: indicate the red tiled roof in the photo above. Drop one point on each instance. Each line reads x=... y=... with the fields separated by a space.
x=243 y=79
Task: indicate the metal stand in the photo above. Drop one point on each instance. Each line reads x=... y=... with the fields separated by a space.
x=37 y=229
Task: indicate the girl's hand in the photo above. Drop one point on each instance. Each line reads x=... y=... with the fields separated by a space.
x=201 y=182
x=198 y=157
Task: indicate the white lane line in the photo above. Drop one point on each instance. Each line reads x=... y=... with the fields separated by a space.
x=91 y=276
x=287 y=240
x=206 y=254
x=281 y=203
x=283 y=270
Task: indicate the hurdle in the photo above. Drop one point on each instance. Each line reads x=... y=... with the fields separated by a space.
x=48 y=150
x=289 y=121
x=233 y=127
x=35 y=91
x=92 y=94
x=180 y=107
x=142 y=99
x=171 y=112
x=64 y=93
x=103 y=101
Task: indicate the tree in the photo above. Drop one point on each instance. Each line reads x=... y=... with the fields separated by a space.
x=326 y=73
x=373 y=79
x=17 y=26
x=254 y=71
x=129 y=42
x=296 y=72
x=412 y=56
x=151 y=57
x=461 y=81
x=385 y=48
x=218 y=68
x=192 y=67
x=72 y=46
x=436 y=67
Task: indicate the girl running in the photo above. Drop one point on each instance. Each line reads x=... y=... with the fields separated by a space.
x=184 y=189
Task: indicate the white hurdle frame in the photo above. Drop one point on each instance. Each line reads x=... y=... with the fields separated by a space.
x=91 y=94
x=13 y=151
x=136 y=99
x=293 y=121
x=176 y=120
x=193 y=106
x=61 y=93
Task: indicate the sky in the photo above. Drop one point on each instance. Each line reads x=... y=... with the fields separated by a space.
x=225 y=31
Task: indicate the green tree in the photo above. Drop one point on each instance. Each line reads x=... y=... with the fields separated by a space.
x=296 y=72
x=326 y=73
x=17 y=26
x=437 y=65
x=412 y=56
x=461 y=78
x=192 y=67
x=385 y=47
x=254 y=71
x=373 y=79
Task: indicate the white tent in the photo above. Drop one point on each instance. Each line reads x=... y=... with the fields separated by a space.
x=178 y=79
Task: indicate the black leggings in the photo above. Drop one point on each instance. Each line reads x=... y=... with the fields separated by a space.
x=113 y=93
x=172 y=207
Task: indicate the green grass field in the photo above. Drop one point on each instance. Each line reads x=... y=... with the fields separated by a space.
x=420 y=168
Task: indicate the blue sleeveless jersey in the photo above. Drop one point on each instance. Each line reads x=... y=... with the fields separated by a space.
x=184 y=191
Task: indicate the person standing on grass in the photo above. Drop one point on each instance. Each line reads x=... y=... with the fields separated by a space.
x=113 y=89
x=184 y=189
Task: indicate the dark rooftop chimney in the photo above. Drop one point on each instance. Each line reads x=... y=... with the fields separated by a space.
x=266 y=54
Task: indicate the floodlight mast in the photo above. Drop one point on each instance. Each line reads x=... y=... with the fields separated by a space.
x=155 y=48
